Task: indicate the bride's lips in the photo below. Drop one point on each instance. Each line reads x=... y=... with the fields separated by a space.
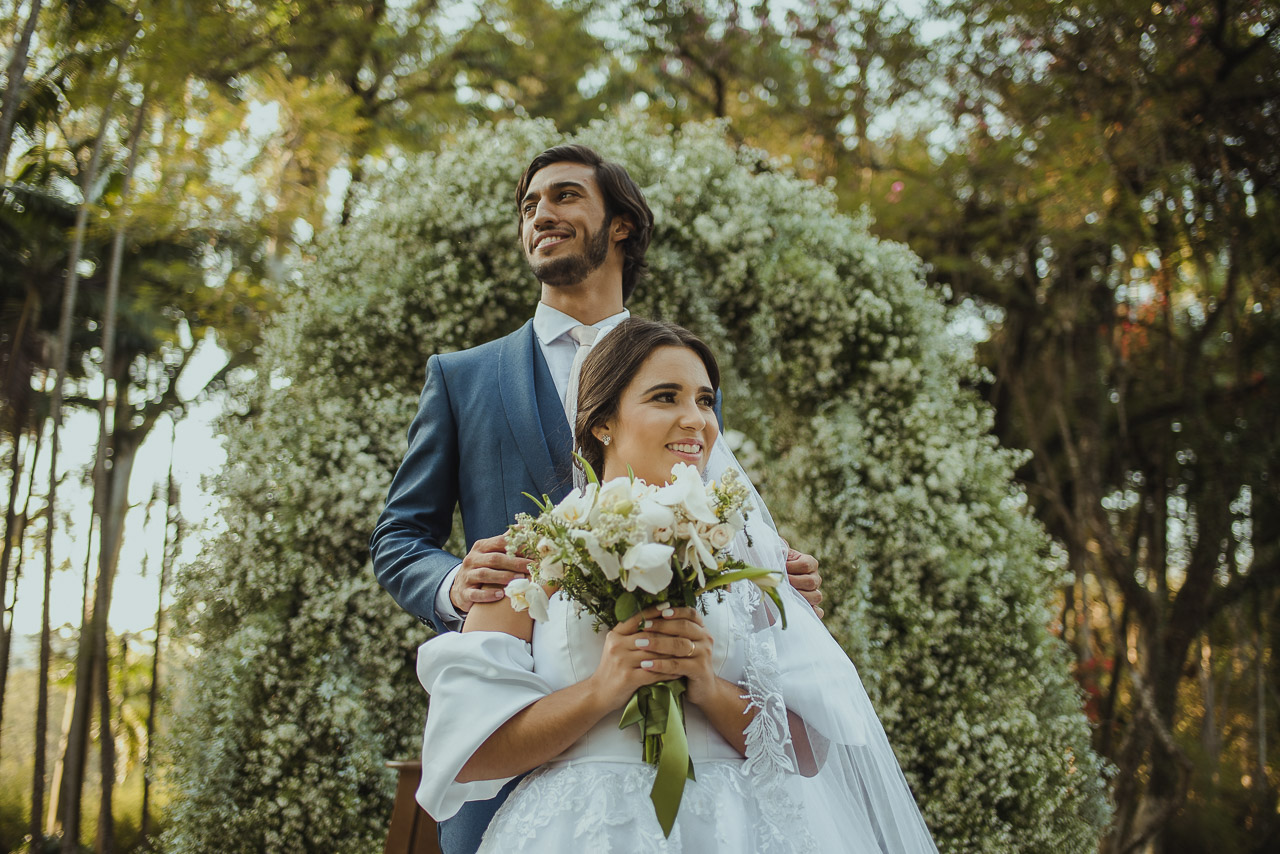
x=686 y=451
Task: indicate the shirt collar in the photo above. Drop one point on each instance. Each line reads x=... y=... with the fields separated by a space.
x=549 y=323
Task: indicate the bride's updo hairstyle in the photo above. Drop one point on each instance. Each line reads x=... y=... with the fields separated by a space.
x=613 y=363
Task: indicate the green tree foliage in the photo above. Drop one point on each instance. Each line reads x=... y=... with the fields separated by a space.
x=1093 y=183
x=839 y=369
x=1108 y=198
x=252 y=115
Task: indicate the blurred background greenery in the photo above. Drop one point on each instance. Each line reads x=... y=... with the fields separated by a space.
x=1092 y=185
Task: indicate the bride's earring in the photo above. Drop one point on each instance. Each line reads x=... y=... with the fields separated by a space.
x=606 y=440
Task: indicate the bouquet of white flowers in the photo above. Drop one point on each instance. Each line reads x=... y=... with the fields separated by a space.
x=622 y=546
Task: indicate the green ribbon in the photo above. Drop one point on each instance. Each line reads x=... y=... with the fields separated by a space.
x=657 y=708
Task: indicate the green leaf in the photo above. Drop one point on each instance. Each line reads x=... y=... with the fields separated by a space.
x=544 y=505
x=626 y=607
x=587 y=469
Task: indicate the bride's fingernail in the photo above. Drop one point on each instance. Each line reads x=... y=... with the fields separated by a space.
x=663 y=605
x=644 y=624
x=670 y=612
x=642 y=641
x=647 y=665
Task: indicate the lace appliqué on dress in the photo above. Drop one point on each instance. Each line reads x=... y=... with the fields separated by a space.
x=769 y=753
x=768 y=736
x=604 y=807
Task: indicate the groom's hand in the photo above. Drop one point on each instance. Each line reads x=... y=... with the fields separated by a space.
x=485 y=571
x=802 y=572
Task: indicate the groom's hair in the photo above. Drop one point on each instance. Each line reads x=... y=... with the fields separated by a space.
x=622 y=197
x=613 y=363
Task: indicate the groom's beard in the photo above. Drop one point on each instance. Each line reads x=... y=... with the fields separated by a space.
x=572 y=269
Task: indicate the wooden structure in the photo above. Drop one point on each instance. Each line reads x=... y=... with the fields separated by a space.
x=412 y=831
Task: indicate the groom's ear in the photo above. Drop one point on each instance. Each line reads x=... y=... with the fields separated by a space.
x=621 y=227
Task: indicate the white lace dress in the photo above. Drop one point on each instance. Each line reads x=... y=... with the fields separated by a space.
x=818 y=775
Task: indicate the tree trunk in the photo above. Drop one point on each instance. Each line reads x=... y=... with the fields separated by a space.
x=1261 y=786
x=42 y=726
x=55 y=780
x=35 y=828
x=113 y=506
x=172 y=538
x=106 y=837
x=15 y=85
x=77 y=741
x=105 y=488
x=18 y=394
x=10 y=518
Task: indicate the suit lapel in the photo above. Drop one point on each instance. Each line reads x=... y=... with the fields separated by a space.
x=518 y=389
x=555 y=427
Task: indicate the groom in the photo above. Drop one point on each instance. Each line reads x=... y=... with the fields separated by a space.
x=491 y=422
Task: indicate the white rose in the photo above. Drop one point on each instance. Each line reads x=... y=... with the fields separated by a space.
x=525 y=595
x=720 y=536
x=545 y=547
x=648 y=567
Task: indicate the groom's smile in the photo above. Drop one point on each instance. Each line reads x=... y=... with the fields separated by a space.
x=564 y=225
x=548 y=239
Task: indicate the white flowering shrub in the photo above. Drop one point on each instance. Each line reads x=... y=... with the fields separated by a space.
x=871 y=448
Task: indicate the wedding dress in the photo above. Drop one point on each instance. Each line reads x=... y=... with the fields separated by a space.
x=818 y=776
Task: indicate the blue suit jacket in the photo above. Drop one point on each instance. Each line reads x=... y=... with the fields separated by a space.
x=490 y=427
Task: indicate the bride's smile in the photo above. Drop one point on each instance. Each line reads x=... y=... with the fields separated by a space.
x=666 y=416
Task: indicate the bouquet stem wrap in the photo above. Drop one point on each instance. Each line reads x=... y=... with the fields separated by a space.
x=658 y=709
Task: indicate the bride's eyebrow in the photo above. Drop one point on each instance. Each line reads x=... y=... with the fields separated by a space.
x=675 y=387
x=664 y=387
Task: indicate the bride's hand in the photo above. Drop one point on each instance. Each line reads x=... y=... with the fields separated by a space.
x=679 y=645
x=662 y=648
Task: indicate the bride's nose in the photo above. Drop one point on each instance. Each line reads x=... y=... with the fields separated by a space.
x=692 y=417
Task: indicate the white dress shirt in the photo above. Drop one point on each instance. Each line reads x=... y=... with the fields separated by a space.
x=551 y=329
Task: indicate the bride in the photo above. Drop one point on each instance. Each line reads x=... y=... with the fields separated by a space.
x=789 y=756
